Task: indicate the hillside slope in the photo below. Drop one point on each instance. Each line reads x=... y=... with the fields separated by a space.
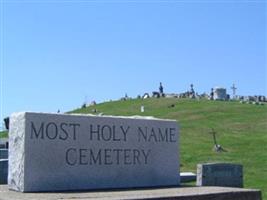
x=3 y=134
x=241 y=130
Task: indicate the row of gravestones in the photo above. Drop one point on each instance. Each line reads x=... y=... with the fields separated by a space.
x=216 y=174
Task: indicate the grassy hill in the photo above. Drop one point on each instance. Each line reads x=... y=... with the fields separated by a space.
x=3 y=134
x=241 y=130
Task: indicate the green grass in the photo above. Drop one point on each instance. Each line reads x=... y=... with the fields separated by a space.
x=3 y=134
x=241 y=130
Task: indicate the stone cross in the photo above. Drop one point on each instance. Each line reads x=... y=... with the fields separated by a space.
x=214 y=136
x=160 y=88
x=192 y=87
x=234 y=90
x=212 y=94
x=217 y=147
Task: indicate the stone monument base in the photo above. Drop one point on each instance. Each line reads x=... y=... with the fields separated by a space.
x=179 y=193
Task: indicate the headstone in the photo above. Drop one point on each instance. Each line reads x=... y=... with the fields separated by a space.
x=3 y=153
x=156 y=94
x=192 y=93
x=3 y=171
x=172 y=95
x=6 y=120
x=212 y=94
x=161 y=89
x=220 y=94
x=146 y=96
x=55 y=152
x=220 y=174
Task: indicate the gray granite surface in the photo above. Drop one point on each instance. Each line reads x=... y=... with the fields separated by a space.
x=54 y=152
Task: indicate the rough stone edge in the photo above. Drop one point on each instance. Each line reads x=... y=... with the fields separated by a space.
x=102 y=116
x=16 y=151
x=198 y=177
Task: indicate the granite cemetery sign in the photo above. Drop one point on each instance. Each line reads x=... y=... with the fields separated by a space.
x=53 y=152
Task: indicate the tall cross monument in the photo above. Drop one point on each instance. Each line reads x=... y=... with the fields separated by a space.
x=234 y=90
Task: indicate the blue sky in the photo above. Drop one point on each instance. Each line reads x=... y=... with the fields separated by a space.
x=57 y=54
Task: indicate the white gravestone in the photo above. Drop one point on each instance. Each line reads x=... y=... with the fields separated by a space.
x=54 y=152
x=142 y=108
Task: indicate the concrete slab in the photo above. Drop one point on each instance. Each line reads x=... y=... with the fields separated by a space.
x=179 y=193
x=187 y=177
